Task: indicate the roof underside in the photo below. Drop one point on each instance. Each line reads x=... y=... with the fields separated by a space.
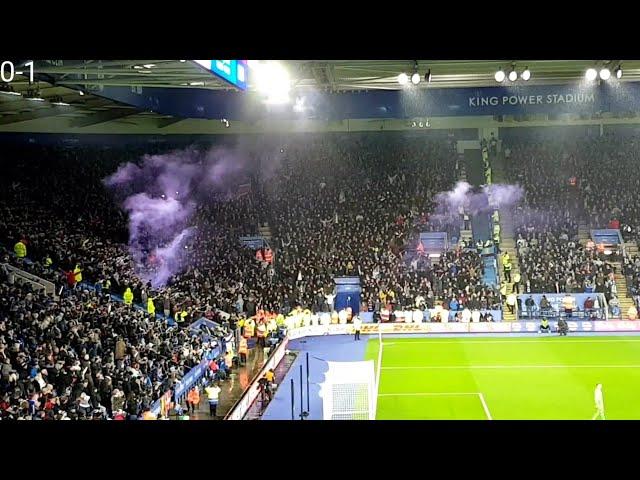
x=60 y=80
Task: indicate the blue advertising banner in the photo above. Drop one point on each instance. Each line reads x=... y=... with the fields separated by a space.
x=253 y=242
x=434 y=242
x=607 y=236
x=399 y=104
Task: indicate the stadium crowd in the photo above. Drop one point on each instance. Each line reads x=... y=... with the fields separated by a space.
x=550 y=254
x=336 y=207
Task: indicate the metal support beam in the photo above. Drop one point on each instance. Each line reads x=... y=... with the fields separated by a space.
x=103 y=117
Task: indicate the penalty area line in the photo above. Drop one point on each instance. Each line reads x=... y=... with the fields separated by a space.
x=484 y=405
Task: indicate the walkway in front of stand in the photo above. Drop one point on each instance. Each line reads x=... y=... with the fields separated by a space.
x=257 y=408
x=232 y=388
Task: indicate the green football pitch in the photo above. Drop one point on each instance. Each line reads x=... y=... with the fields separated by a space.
x=507 y=378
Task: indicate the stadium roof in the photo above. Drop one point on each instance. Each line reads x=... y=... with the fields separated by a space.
x=58 y=82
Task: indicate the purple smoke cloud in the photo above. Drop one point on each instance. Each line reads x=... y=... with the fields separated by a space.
x=501 y=195
x=170 y=259
x=161 y=195
x=125 y=173
x=474 y=201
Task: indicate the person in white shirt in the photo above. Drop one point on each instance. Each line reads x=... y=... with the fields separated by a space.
x=357 y=326
x=475 y=316
x=330 y=297
x=599 y=399
x=213 y=393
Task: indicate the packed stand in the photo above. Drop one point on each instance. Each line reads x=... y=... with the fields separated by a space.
x=349 y=205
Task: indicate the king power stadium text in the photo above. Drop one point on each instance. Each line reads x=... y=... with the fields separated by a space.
x=550 y=99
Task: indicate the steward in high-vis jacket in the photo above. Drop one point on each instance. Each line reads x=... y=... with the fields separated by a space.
x=151 y=308
x=243 y=350
x=78 y=273
x=20 y=249
x=128 y=296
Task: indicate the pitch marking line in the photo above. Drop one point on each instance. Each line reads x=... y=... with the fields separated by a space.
x=488 y=367
x=481 y=367
x=484 y=405
x=465 y=342
x=445 y=394
x=412 y=394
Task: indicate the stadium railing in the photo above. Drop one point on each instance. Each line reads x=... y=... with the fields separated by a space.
x=36 y=282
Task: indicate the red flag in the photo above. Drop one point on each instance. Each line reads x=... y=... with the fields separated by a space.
x=420 y=248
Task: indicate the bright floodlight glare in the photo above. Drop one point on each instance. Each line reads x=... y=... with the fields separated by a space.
x=605 y=74
x=619 y=73
x=403 y=79
x=591 y=74
x=415 y=78
x=526 y=74
x=272 y=80
x=499 y=76
x=513 y=76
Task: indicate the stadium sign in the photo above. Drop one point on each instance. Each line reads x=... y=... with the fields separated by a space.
x=549 y=99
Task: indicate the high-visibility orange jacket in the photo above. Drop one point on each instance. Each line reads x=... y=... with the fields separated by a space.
x=193 y=396
x=243 y=347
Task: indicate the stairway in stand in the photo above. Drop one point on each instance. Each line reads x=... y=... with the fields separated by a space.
x=507 y=236
x=508 y=244
x=584 y=234
x=631 y=249
x=624 y=297
x=265 y=231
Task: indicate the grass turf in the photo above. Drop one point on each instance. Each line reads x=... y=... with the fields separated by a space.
x=507 y=378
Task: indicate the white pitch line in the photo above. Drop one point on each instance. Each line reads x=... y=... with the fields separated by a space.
x=442 y=394
x=489 y=367
x=559 y=342
x=412 y=394
x=484 y=405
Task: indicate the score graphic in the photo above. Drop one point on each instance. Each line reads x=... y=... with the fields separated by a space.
x=232 y=71
x=8 y=71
